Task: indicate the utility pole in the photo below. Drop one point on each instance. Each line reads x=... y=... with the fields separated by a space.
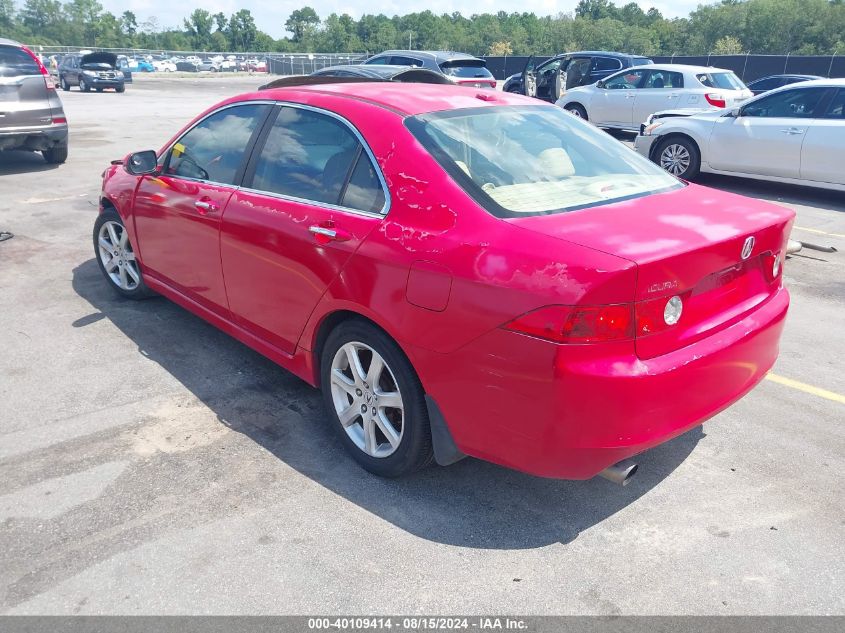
x=410 y=35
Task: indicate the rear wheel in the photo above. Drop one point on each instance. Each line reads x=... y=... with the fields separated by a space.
x=116 y=258
x=64 y=84
x=577 y=110
x=55 y=155
x=679 y=156
x=375 y=400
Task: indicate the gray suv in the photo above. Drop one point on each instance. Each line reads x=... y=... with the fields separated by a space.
x=459 y=68
x=31 y=113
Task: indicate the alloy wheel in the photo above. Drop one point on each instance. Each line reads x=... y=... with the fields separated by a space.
x=675 y=159
x=367 y=399
x=117 y=256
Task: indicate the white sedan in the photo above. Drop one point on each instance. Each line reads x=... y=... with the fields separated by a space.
x=626 y=99
x=794 y=134
x=164 y=66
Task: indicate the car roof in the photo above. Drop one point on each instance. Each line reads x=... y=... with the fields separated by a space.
x=378 y=71
x=838 y=82
x=680 y=68
x=605 y=54
x=790 y=76
x=439 y=56
x=6 y=42
x=402 y=98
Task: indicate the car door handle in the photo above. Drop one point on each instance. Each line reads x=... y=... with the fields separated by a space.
x=630 y=95
x=205 y=206
x=793 y=130
x=325 y=234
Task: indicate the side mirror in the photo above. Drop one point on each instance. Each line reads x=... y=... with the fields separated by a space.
x=141 y=163
x=600 y=84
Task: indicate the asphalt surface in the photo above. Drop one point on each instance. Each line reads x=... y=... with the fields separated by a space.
x=151 y=464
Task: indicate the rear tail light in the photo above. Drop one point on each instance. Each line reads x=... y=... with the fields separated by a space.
x=59 y=119
x=715 y=99
x=577 y=324
x=48 y=80
x=657 y=315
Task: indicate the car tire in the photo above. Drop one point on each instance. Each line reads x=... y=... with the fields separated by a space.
x=577 y=110
x=83 y=87
x=110 y=228
x=64 y=84
x=386 y=440
x=515 y=91
x=99 y=89
x=55 y=155
x=679 y=155
x=120 y=89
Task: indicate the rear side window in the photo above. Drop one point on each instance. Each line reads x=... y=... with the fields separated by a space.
x=213 y=150
x=606 y=64
x=15 y=62
x=724 y=81
x=664 y=79
x=466 y=69
x=641 y=61
x=381 y=61
x=405 y=61
x=766 y=84
x=312 y=156
x=836 y=109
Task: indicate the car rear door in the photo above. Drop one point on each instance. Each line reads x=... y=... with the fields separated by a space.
x=24 y=98
x=178 y=212
x=613 y=103
x=822 y=151
x=661 y=91
x=767 y=136
x=312 y=193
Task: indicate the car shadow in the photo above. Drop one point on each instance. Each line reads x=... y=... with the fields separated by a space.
x=776 y=192
x=20 y=162
x=470 y=504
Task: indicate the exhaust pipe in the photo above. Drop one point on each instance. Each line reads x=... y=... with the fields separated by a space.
x=620 y=473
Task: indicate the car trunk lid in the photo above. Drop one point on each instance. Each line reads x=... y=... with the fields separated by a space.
x=24 y=99
x=712 y=249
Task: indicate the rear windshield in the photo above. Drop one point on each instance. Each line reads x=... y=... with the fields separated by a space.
x=725 y=81
x=531 y=160
x=466 y=68
x=15 y=62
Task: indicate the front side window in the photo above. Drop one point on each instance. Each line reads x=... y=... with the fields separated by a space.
x=406 y=61
x=315 y=157
x=213 y=150
x=798 y=103
x=626 y=80
x=530 y=160
x=664 y=79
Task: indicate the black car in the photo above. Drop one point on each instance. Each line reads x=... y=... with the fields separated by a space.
x=406 y=74
x=459 y=68
x=764 y=84
x=96 y=71
x=551 y=78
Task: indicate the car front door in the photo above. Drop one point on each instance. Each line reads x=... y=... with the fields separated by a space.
x=613 y=100
x=178 y=211
x=529 y=79
x=661 y=91
x=822 y=151
x=767 y=136
x=548 y=79
x=311 y=194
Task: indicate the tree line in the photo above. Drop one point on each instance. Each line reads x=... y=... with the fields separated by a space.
x=808 y=27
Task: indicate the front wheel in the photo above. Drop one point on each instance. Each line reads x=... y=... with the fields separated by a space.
x=83 y=87
x=120 y=89
x=375 y=400
x=577 y=110
x=116 y=258
x=679 y=156
x=64 y=84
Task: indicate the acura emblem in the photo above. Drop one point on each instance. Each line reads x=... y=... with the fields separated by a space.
x=748 y=247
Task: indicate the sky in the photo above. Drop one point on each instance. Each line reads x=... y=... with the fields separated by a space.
x=270 y=15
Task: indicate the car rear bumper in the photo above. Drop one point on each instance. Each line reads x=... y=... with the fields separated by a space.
x=571 y=411
x=34 y=139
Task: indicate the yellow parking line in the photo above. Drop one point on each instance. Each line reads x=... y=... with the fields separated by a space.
x=801 y=386
x=803 y=228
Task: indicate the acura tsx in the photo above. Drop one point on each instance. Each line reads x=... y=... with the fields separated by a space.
x=460 y=271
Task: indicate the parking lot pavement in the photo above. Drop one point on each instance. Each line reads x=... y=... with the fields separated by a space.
x=151 y=464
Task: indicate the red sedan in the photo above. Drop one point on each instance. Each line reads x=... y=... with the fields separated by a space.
x=461 y=272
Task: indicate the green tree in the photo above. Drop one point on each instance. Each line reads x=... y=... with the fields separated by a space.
x=242 y=31
x=198 y=28
x=727 y=45
x=302 y=23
